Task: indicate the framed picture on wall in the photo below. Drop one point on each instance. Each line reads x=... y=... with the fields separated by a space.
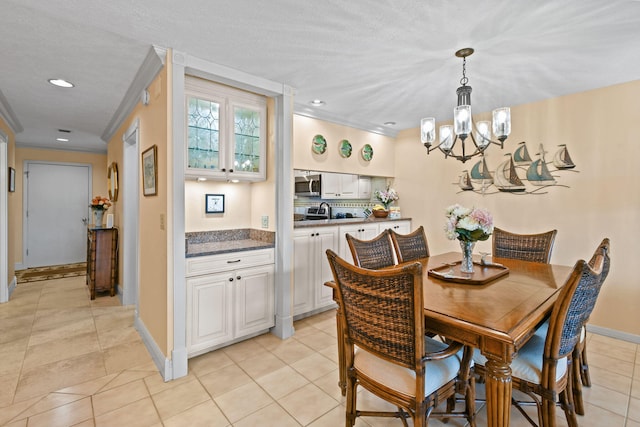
x=150 y=171
x=214 y=203
x=12 y=179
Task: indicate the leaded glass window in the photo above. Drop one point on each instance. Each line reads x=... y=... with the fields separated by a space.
x=247 y=139
x=203 y=122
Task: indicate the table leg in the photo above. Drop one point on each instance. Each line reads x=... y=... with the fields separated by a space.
x=498 y=389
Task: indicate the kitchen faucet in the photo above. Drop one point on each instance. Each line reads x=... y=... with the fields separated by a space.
x=328 y=208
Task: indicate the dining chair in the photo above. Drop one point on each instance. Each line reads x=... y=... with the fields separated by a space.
x=382 y=315
x=580 y=365
x=526 y=247
x=372 y=254
x=409 y=247
x=542 y=369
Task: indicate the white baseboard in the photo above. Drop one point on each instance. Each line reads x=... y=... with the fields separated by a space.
x=18 y=266
x=612 y=333
x=12 y=285
x=162 y=363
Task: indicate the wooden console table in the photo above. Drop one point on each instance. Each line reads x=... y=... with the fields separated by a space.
x=102 y=260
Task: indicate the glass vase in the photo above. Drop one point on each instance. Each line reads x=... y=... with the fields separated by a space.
x=98 y=215
x=467 y=256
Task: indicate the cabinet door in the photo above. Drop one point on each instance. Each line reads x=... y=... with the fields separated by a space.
x=303 y=267
x=209 y=311
x=364 y=187
x=254 y=300
x=330 y=186
x=326 y=238
x=205 y=130
x=401 y=227
x=247 y=155
x=348 y=186
x=359 y=231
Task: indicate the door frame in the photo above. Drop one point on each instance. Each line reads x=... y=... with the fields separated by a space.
x=130 y=197
x=4 y=219
x=25 y=197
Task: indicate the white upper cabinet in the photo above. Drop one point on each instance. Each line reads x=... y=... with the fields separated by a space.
x=226 y=132
x=339 y=186
x=364 y=187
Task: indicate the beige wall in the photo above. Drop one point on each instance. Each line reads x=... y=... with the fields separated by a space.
x=12 y=202
x=98 y=164
x=602 y=199
x=153 y=288
x=305 y=128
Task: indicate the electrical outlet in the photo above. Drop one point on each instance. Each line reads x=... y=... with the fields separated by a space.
x=161 y=221
x=265 y=221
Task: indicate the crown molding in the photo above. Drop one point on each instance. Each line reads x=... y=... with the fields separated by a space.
x=315 y=113
x=151 y=66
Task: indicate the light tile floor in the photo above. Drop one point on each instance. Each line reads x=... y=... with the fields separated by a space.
x=68 y=361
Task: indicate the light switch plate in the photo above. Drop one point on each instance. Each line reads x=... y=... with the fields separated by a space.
x=265 y=221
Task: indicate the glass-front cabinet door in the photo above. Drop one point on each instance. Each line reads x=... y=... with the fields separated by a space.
x=226 y=132
x=249 y=136
x=203 y=133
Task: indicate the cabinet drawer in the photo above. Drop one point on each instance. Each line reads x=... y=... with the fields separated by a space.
x=231 y=261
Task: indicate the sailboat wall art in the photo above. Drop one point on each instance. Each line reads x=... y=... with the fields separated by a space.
x=518 y=173
x=538 y=172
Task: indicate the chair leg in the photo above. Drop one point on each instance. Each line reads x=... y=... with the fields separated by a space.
x=584 y=366
x=342 y=370
x=351 y=386
x=576 y=382
x=548 y=413
x=567 y=405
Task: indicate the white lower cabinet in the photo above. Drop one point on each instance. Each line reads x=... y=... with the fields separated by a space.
x=225 y=306
x=210 y=308
x=311 y=268
x=401 y=227
x=368 y=232
x=359 y=231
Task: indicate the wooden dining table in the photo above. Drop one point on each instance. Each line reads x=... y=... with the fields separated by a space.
x=497 y=317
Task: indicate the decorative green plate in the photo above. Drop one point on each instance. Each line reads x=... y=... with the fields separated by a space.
x=345 y=148
x=319 y=144
x=367 y=152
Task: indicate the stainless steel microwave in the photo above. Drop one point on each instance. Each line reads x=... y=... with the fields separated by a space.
x=309 y=186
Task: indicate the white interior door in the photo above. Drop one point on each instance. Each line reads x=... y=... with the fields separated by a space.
x=56 y=213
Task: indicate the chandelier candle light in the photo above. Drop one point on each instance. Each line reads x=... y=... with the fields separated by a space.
x=463 y=124
x=468 y=226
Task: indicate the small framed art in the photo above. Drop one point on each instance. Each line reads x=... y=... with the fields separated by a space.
x=150 y=171
x=214 y=203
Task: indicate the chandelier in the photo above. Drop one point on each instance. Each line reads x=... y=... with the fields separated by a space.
x=463 y=126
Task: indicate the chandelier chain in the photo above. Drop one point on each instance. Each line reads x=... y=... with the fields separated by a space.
x=464 y=80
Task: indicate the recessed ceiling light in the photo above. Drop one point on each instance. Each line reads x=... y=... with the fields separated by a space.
x=62 y=139
x=389 y=123
x=61 y=83
x=317 y=102
x=201 y=179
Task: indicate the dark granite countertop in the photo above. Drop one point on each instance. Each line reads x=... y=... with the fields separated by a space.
x=225 y=241
x=344 y=221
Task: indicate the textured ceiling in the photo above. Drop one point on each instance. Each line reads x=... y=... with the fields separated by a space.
x=371 y=61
